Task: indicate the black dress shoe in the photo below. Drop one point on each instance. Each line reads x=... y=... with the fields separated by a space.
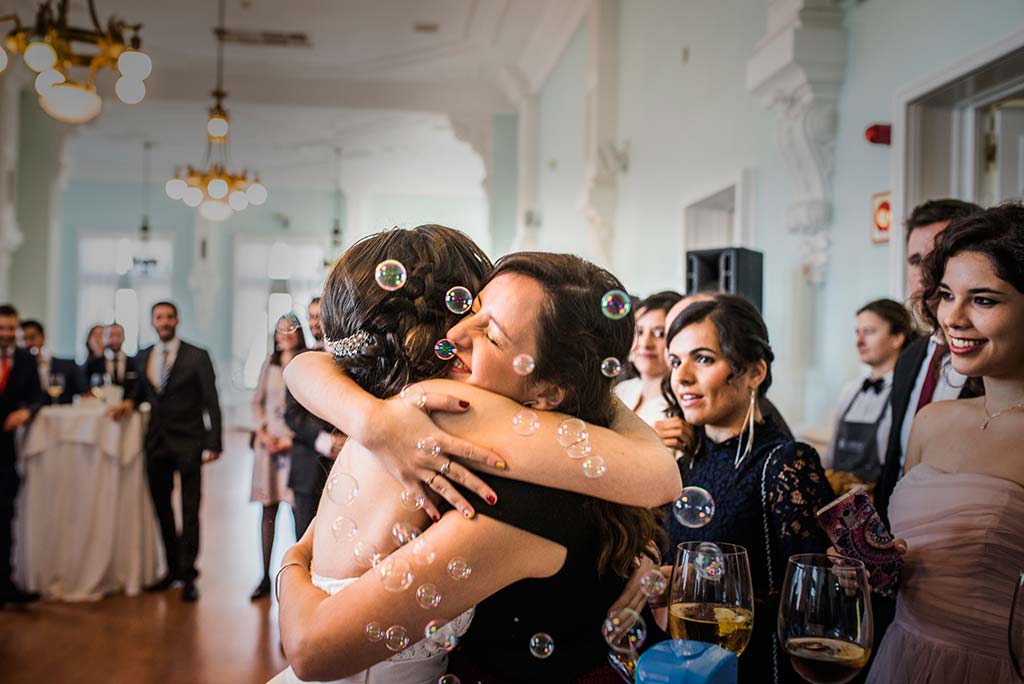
x=189 y=593
x=262 y=591
x=162 y=584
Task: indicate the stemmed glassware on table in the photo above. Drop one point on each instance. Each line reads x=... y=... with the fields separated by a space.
x=711 y=596
x=55 y=385
x=1016 y=631
x=825 y=623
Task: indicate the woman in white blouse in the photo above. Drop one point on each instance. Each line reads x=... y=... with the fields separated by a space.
x=864 y=416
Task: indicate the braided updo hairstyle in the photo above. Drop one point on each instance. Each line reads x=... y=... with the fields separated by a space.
x=403 y=325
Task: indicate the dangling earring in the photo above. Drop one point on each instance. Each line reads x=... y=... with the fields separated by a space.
x=748 y=425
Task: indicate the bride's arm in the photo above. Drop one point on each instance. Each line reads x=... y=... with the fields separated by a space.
x=324 y=637
x=640 y=470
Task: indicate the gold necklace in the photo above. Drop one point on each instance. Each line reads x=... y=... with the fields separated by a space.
x=990 y=416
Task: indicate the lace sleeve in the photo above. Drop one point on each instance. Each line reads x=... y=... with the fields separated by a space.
x=796 y=487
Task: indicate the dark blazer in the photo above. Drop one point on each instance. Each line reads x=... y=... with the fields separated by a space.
x=74 y=383
x=98 y=366
x=22 y=391
x=308 y=468
x=904 y=377
x=176 y=420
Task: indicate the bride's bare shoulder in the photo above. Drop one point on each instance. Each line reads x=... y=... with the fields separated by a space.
x=941 y=416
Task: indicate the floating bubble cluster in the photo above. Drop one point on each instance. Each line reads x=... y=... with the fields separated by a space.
x=288 y=323
x=390 y=275
x=344 y=529
x=611 y=367
x=396 y=638
x=342 y=488
x=458 y=299
x=375 y=631
x=525 y=423
x=694 y=508
x=458 y=568
x=624 y=631
x=523 y=364
x=653 y=583
x=428 y=596
x=615 y=304
x=395 y=574
x=403 y=533
x=594 y=467
x=541 y=645
x=411 y=501
x=432 y=628
x=571 y=431
x=444 y=349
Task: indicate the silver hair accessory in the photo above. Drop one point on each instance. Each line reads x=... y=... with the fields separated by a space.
x=349 y=346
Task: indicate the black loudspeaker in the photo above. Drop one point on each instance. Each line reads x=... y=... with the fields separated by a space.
x=734 y=270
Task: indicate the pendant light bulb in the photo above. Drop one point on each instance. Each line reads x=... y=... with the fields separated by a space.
x=135 y=65
x=3 y=59
x=256 y=193
x=47 y=80
x=175 y=188
x=192 y=197
x=217 y=188
x=129 y=90
x=71 y=102
x=238 y=201
x=40 y=56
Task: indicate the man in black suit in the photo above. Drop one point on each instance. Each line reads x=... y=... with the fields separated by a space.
x=33 y=335
x=177 y=380
x=314 y=445
x=115 y=364
x=20 y=397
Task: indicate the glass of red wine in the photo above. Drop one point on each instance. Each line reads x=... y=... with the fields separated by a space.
x=825 y=623
x=1017 y=628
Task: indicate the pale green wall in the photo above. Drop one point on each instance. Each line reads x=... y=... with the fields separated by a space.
x=503 y=182
x=468 y=214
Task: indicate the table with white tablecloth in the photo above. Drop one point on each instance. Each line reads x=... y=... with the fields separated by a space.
x=85 y=524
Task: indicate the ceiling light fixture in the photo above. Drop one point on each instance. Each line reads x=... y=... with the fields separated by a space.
x=48 y=48
x=217 y=192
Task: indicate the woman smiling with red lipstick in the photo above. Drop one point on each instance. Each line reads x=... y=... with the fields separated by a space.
x=960 y=506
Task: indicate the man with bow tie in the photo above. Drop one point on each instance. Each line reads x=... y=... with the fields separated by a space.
x=884 y=328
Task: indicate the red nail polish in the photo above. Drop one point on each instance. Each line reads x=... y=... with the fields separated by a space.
x=435 y=517
x=463 y=403
x=491 y=499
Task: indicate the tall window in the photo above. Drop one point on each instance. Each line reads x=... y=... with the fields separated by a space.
x=120 y=278
x=272 y=277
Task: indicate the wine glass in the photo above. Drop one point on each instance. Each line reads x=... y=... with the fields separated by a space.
x=1017 y=627
x=55 y=385
x=825 y=622
x=711 y=597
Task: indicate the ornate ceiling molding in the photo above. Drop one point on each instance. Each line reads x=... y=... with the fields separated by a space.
x=557 y=26
x=797 y=70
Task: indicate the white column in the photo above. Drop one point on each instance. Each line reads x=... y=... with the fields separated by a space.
x=355 y=224
x=11 y=236
x=528 y=220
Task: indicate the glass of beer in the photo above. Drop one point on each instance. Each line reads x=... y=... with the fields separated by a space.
x=55 y=385
x=825 y=623
x=1017 y=627
x=711 y=597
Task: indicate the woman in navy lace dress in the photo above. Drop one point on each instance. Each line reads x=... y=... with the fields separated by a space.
x=766 y=486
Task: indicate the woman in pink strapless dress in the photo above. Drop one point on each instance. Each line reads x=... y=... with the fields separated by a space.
x=960 y=507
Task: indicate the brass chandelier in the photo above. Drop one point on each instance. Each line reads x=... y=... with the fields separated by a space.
x=217 y=191
x=51 y=47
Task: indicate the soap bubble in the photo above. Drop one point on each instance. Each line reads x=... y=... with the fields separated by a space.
x=458 y=299
x=344 y=529
x=342 y=488
x=523 y=364
x=541 y=645
x=366 y=554
x=395 y=574
x=403 y=533
x=459 y=568
x=428 y=446
x=449 y=679
x=709 y=561
x=578 y=450
x=390 y=275
x=396 y=638
x=525 y=423
x=653 y=583
x=414 y=396
x=624 y=630
x=288 y=323
x=422 y=552
x=572 y=430
x=428 y=596
x=411 y=501
x=615 y=304
x=444 y=349
x=611 y=367
x=374 y=631
x=694 y=508
x=594 y=467
x=432 y=628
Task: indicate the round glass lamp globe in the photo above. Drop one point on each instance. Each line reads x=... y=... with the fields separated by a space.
x=47 y=80
x=71 y=102
x=193 y=197
x=217 y=188
x=39 y=56
x=215 y=210
x=135 y=65
x=256 y=194
x=3 y=59
x=129 y=90
x=175 y=188
x=238 y=201
x=217 y=126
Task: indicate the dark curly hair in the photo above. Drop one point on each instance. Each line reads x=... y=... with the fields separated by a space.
x=404 y=324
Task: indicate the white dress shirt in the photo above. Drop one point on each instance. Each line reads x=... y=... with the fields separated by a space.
x=948 y=386
x=631 y=394
x=866 y=407
x=156 y=358
x=115 y=365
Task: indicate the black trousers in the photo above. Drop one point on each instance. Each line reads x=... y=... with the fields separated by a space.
x=181 y=549
x=9 y=483
x=305 y=511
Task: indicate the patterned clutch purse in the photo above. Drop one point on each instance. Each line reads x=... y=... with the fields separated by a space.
x=856 y=531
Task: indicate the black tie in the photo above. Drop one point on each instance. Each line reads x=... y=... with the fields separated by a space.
x=875 y=385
